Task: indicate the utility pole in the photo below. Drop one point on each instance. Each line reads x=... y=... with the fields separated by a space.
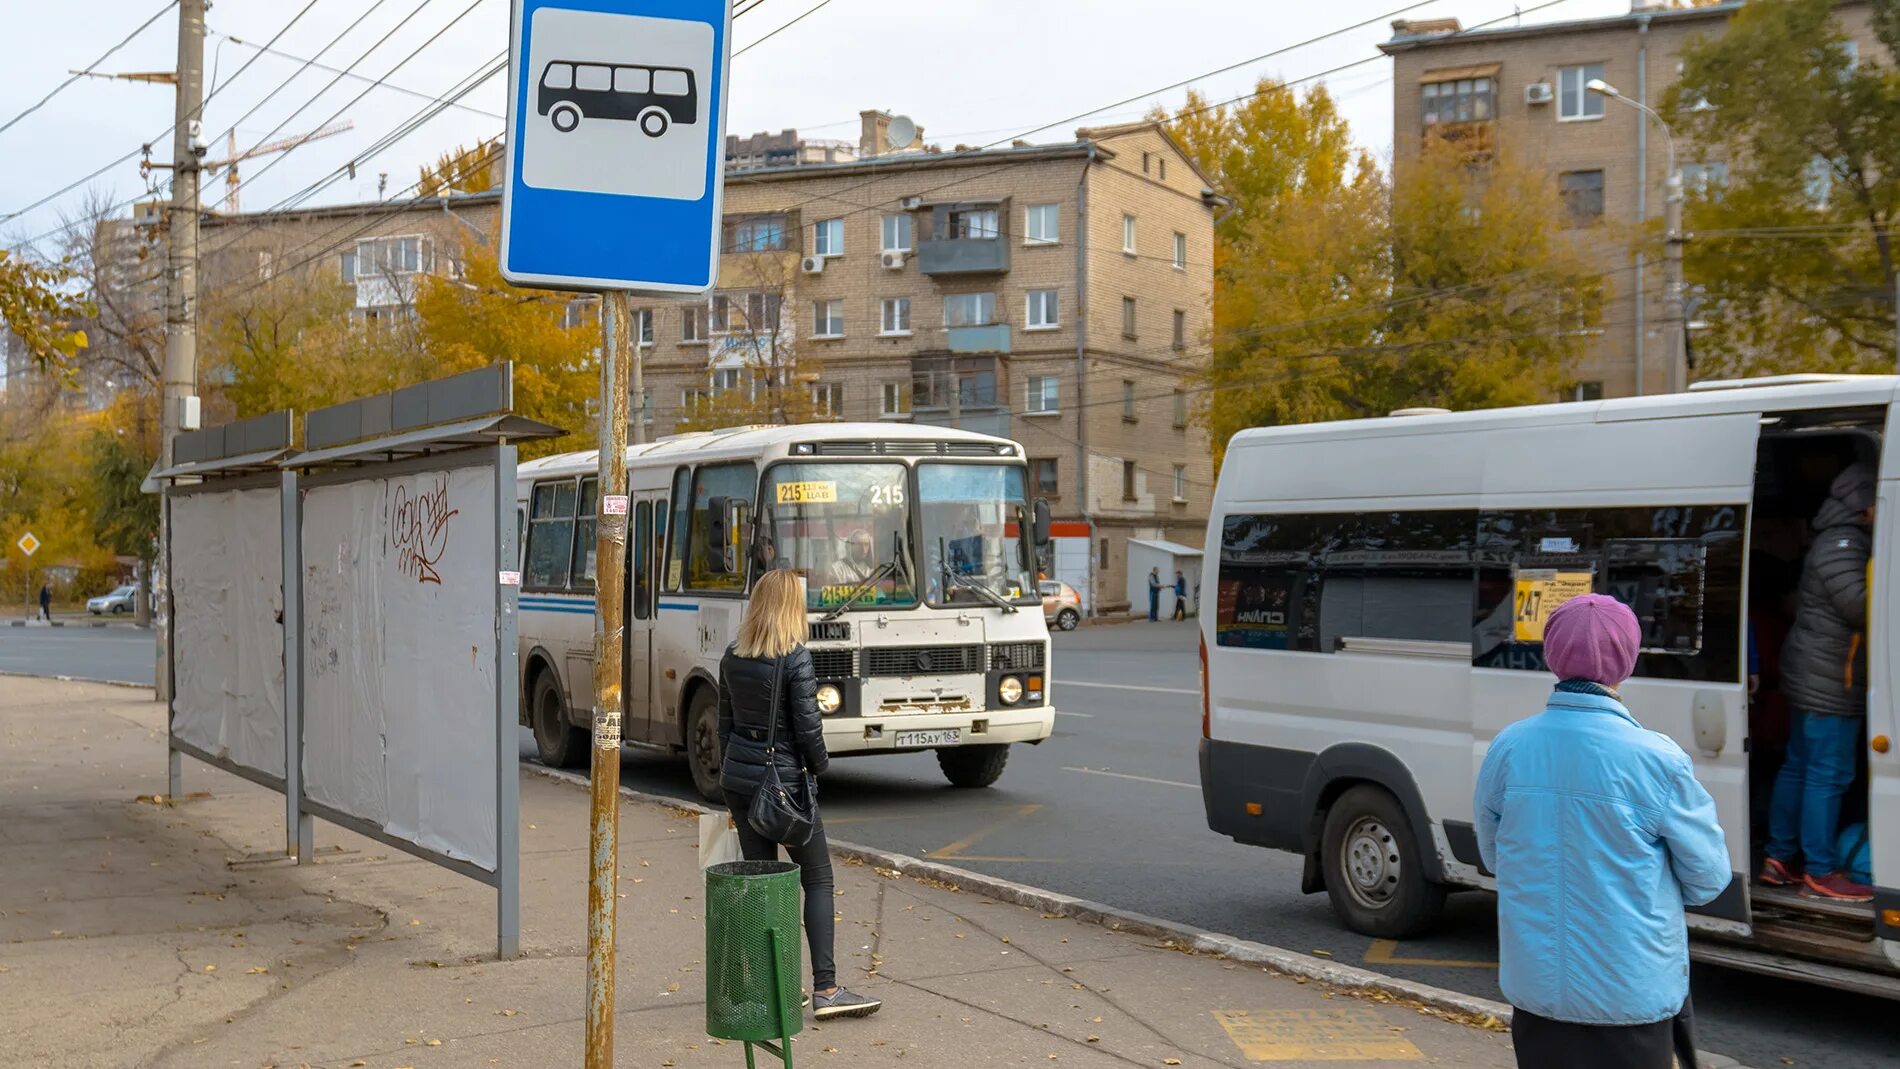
x=180 y=381
x=617 y=357
x=1673 y=311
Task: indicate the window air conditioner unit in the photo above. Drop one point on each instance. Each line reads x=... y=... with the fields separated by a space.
x=1539 y=93
x=812 y=265
x=894 y=261
x=911 y=204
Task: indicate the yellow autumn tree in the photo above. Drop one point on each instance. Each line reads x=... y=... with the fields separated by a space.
x=465 y=170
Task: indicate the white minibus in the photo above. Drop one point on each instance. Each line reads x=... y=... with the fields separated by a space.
x=1382 y=588
x=918 y=546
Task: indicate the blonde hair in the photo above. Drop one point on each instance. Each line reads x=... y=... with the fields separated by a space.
x=774 y=623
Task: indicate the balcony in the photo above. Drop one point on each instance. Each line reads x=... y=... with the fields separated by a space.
x=968 y=392
x=990 y=338
x=963 y=256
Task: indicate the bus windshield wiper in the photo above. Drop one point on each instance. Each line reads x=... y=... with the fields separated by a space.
x=967 y=583
x=884 y=571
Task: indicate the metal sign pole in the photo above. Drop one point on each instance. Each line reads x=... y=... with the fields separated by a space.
x=610 y=560
x=507 y=714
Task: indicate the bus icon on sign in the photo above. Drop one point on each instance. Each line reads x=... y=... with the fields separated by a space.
x=653 y=97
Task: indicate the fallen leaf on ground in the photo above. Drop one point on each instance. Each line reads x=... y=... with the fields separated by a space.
x=211 y=968
x=1324 y=953
x=433 y=1043
x=1095 y=1039
x=255 y=969
x=1170 y=1061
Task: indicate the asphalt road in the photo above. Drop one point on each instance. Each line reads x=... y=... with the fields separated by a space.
x=1110 y=809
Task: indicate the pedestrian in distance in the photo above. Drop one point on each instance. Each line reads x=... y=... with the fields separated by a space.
x=1599 y=835
x=46 y=602
x=769 y=660
x=1824 y=675
x=1180 y=595
x=1154 y=593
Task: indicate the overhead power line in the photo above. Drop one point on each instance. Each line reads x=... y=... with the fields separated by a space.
x=107 y=54
x=811 y=11
x=307 y=64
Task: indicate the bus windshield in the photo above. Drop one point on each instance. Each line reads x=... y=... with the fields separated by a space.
x=975 y=520
x=844 y=527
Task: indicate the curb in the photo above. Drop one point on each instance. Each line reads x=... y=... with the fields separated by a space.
x=80 y=679
x=1467 y=1009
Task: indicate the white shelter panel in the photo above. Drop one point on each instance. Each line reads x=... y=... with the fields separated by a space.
x=399 y=656
x=227 y=625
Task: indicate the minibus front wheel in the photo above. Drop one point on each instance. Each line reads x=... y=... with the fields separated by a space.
x=1375 y=872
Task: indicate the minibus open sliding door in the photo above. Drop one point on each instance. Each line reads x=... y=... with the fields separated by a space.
x=1883 y=722
x=1653 y=511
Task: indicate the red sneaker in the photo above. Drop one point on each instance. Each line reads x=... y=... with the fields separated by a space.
x=1837 y=887
x=1776 y=873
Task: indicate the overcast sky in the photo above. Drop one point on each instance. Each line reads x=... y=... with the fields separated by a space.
x=971 y=71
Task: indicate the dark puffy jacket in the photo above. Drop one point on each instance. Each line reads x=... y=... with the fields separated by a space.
x=745 y=694
x=1824 y=661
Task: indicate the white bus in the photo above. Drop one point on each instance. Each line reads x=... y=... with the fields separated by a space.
x=918 y=546
x=1382 y=589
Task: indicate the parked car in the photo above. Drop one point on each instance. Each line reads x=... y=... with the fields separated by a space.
x=122 y=600
x=1061 y=605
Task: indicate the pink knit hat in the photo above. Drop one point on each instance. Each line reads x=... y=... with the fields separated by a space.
x=1592 y=637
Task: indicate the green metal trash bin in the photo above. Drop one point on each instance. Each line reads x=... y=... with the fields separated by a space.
x=754 y=955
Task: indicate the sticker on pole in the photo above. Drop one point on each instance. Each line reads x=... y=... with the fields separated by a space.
x=616 y=138
x=28 y=544
x=509 y=578
x=613 y=505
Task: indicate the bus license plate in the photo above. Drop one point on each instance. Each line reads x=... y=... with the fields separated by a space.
x=940 y=737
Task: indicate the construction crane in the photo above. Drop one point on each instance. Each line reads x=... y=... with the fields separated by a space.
x=233 y=157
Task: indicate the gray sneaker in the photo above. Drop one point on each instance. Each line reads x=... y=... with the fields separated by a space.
x=842 y=1003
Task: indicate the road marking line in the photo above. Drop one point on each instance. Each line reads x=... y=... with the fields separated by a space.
x=1350 y=1035
x=1139 y=779
x=1060 y=683
x=1381 y=952
x=980 y=834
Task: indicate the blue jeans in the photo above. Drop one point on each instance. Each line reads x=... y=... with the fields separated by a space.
x=1154 y=603
x=1805 y=815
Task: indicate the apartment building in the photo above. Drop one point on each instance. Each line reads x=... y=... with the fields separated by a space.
x=1057 y=294
x=1519 y=90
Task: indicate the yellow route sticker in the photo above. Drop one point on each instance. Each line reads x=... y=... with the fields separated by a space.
x=1349 y=1035
x=813 y=493
x=1539 y=592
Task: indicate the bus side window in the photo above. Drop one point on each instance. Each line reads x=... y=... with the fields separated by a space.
x=521 y=536
x=559 y=76
x=550 y=535
x=642 y=560
x=584 y=544
x=734 y=482
x=672 y=83
x=676 y=553
x=593 y=78
x=632 y=80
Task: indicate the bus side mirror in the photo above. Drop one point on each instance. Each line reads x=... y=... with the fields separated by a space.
x=1042 y=521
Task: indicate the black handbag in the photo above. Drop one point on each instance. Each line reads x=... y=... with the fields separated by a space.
x=779 y=814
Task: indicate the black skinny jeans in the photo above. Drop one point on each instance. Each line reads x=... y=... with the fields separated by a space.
x=814 y=872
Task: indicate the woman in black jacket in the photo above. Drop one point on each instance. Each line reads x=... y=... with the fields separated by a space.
x=771 y=644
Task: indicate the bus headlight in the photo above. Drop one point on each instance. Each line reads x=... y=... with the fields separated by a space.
x=829 y=700
x=1010 y=690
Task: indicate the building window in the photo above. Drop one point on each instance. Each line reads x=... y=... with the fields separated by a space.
x=827 y=319
x=1044 y=394
x=897 y=233
x=1180 y=482
x=691 y=400
x=1180 y=408
x=1043 y=471
x=969 y=309
x=894 y=318
x=1180 y=329
x=1040 y=313
x=725 y=380
x=1161 y=167
x=1128 y=480
x=973 y=223
x=1455 y=101
x=388 y=256
x=827 y=399
x=1588 y=391
x=1128 y=234
x=1041 y=224
x=578 y=312
x=1574 y=101
x=1180 y=251
x=1128 y=317
x=1705 y=179
x=1818 y=181
x=827 y=237
x=895 y=399
x=643 y=326
x=692 y=323
x=1146 y=160
x=1582 y=193
x=1128 y=400
x=758 y=312
x=754 y=233
x=1104 y=553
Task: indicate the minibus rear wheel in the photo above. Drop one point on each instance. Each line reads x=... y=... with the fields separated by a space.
x=558 y=743
x=1375 y=872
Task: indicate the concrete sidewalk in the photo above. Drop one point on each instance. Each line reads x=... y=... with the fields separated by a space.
x=143 y=934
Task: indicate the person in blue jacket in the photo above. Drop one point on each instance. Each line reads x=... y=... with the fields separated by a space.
x=1599 y=835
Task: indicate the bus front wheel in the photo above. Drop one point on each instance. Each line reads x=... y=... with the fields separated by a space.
x=565 y=117
x=654 y=121
x=1375 y=872
x=972 y=766
x=702 y=745
x=558 y=743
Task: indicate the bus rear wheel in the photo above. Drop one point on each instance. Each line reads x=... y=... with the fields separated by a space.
x=1374 y=866
x=973 y=766
x=558 y=743
x=566 y=117
x=653 y=122
x=703 y=758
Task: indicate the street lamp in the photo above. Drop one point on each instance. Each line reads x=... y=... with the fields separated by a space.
x=1672 y=239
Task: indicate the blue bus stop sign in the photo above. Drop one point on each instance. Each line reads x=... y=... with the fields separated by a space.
x=616 y=137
